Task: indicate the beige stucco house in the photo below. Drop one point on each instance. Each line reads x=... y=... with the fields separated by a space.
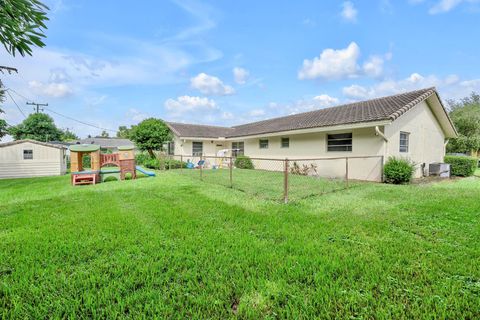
x=30 y=158
x=413 y=125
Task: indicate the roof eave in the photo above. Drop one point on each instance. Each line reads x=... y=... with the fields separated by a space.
x=349 y=126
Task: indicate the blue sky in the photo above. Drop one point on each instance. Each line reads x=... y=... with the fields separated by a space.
x=114 y=63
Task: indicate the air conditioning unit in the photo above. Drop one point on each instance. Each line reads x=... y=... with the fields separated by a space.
x=441 y=170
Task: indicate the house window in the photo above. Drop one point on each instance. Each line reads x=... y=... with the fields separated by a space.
x=285 y=142
x=238 y=148
x=263 y=143
x=197 y=148
x=171 y=148
x=339 y=142
x=27 y=154
x=404 y=137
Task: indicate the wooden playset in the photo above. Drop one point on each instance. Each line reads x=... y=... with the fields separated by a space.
x=124 y=160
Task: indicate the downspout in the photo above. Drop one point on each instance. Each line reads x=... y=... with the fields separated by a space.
x=385 y=152
x=380 y=133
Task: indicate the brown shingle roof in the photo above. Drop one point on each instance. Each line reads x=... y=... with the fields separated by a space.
x=198 y=130
x=385 y=108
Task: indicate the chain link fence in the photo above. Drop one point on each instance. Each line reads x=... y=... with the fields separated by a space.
x=279 y=179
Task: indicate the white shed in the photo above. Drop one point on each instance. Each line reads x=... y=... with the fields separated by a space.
x=30 y=158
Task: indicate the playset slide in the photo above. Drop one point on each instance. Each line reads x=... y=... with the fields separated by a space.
x=142 y=170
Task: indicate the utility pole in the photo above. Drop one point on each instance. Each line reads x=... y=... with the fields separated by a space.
x=38 y=105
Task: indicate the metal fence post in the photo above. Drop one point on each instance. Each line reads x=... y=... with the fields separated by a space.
x=170 y=162
x=201 y=168
x=285 y=181
x=382 y=168
x=346 y=171
x=231 y=172
x=181 y=163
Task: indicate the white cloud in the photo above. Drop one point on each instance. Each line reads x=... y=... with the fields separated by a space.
x=189 y=104
x=301 y=105
x=210 y=85
x=227 y=115
x=240 y=75
x=136 y=115
x=356 y=92
x=335 y=64
x=373 y=67
x=309 y=22
x=444 y=6
x=450 y=87
x=349 y=13
x=451 y=79
x=324 y=100
x=257 y=113
x=332 y=64
x=55 y=90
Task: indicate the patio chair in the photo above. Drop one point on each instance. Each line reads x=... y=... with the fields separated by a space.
x=200 y=164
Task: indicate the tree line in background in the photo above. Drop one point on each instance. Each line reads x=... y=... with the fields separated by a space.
x=465 y=114
x=40 y=127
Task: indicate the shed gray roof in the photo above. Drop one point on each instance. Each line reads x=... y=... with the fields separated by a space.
x=12 y=143
x=105 y=142
x=385 y=108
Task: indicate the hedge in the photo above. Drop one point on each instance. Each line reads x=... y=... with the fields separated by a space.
x=398 y=171
x=461 y=166
x=244 y=162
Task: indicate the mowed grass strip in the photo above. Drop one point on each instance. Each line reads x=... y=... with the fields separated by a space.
x=269 y=185
x=175 y=247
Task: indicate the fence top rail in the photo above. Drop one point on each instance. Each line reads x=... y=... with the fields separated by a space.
x=280 y=159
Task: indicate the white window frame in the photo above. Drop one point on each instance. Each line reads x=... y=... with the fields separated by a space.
x=193 y=148
x=31 y=153
x=405 y=147
x=265 y=146
x=338 y=137
x=282 y=140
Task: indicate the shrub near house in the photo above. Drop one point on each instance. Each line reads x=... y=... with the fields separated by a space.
x=244 y=162
x=398 y=171
x=461 y=166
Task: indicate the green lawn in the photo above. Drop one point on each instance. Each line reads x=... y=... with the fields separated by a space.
x=269 y=184
x=173 y=247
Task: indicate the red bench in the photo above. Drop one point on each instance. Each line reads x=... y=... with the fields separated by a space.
x=83 y=178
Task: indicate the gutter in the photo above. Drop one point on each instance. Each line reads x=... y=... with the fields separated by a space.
x=380 y=133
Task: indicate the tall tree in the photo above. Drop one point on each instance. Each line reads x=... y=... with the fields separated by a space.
x=38 y=126
x=465 y=115
x=123 y=132
x=22 y=25
x=150 y=135
x=104 y=134
x=68 y=135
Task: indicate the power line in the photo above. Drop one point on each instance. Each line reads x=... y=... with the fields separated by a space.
x=67 y=117
x=18 y=94
x=18 y=107
x=79 y=121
